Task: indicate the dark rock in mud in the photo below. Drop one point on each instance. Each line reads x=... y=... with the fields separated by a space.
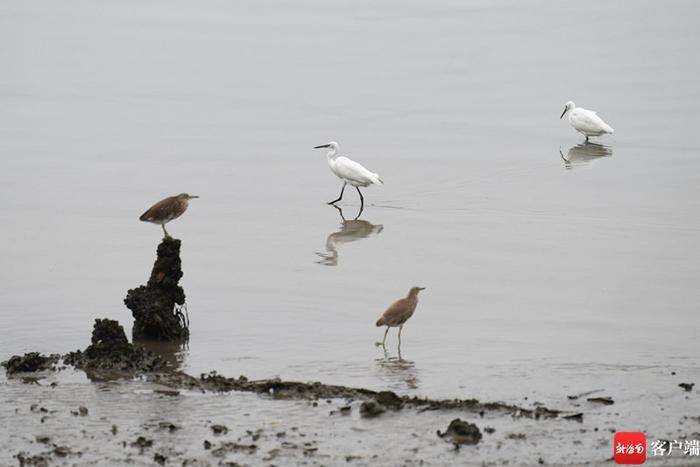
x=461 y=432
x=371 y=409
x=110 y=350
x=381 y=401
x=142 y=443
x=159 y=458
x=219 y=429
x=345 y=410
x=156 y=305
x=601 y=400
x=583 y=394
x=686 y=386
x=577 y=417
x=168 y=426
x=389 y=399
x=62 y=451
x=36 y=408
x=30 y=362
x=82 y=411
x=230 y=446
x=544 y=412
x=38 y=460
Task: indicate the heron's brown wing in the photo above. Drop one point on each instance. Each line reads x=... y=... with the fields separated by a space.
x=161 y=210
x=395 y=314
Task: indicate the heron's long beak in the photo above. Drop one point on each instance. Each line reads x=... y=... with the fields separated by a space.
x=421 y=288
x=194 y=196
x=322 y=146
x=563 y=113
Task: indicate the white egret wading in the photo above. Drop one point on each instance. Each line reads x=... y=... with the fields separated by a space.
x=586 y=121
x=349 y=171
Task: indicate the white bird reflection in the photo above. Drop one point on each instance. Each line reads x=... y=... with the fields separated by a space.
x=350 y=231
x=584 y=154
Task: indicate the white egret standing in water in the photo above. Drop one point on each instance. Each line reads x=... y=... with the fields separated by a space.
x=349 y=171
x=586 y=121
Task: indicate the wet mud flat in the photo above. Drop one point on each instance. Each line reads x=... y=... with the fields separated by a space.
x=117 y=403
x=133 y=409
x=64 y=420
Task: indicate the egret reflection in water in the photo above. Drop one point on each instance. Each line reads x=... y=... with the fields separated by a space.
x=350 y=231
x=584 y=154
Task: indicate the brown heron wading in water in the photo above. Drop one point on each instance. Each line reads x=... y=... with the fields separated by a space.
x=399 y=312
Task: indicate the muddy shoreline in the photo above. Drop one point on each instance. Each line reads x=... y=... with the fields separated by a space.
x=110 y=357
x=111 y=352
x=217 y=420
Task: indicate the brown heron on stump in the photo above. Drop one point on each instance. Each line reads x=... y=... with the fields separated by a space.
x=167 y=209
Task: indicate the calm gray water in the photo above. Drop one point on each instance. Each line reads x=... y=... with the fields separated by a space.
x=550 y=267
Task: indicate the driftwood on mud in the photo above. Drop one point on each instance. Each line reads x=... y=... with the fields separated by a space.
x=157 y=306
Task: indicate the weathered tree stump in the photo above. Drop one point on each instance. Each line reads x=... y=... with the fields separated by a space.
x=157 y=306
x=110 y=350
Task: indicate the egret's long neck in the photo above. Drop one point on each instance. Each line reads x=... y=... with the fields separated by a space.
x=332 y=154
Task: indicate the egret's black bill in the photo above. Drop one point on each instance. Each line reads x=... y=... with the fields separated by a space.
x=562 y=114
x=322 y=146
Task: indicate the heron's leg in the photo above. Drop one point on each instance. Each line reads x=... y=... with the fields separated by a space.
x=385 y=333
x=165 y=231
x=359 y=213
x=383 y=340
x=586 y=138
x=378 y=344
x=341 y=194
x=400 y=328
